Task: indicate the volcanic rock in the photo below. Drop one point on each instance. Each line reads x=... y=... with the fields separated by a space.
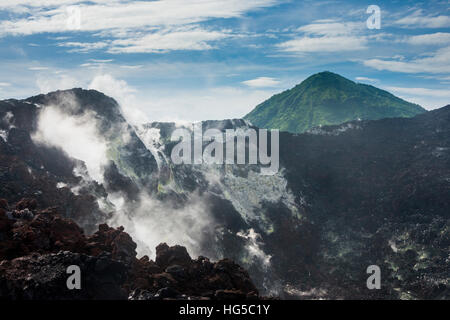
x=36 y=253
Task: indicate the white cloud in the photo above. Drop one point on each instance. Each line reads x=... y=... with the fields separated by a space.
x=324 y=44
x=92 y=65
x=47 y=83
x=326 y=36
x=83 y=47
x=124 y=94
x=182 y=38
x=165 y=91
x=168 y=39
x=37 y=68
x=183 y=105
x=96 y=63
x=366 y=79
x=419 y=20
x=261 y=82
x=331 y=28
x=438 y=62
x=439 y=38
x=5 y=84
x=202 y=104
x=131 y=67
x=103 y=15
x=427 y=98
x=422 y=91
x=44 y=3
x=101 y=60
x=133 y=26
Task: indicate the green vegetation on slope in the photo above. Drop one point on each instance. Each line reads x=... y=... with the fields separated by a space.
x=327 y=98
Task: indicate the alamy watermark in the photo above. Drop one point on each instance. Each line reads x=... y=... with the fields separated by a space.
x=74 y=280
x=234 y=146
x=73 y=21
x=374 y=281
x=374 y=21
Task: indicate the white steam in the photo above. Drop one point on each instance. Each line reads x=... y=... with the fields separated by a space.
x=76 y=135
x=124 y=94
x=154 y=221
x=149 y=221
x=4 y=135
x=151 y=138
x=7 y=121
x=253 y=246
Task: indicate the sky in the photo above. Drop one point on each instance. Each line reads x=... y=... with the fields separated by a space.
x=191 y=60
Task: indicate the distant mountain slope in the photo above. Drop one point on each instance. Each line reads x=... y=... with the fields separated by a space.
x=327 y=98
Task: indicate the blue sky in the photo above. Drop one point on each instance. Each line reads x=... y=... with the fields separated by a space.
x=213 y=59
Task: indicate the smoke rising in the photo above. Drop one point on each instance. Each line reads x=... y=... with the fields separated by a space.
x=123 y=93
x=76 y=135
x=183 y=218
x=149 y=221
x=154 y=221
x=253 y=246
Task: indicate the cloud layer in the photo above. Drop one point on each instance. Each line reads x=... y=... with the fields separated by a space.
x=437 y=62
x=328 y=36
x=134 y=26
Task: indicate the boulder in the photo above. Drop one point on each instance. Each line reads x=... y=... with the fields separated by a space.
x=167 y=256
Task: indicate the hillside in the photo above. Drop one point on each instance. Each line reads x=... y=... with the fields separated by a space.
x=327 y=98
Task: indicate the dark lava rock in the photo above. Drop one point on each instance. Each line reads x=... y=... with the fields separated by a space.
x=166 y=292
x=114 y=241
x=229 y=295
x=36 y=253
x=44 y=277
x=168 y=256
x=176 y=271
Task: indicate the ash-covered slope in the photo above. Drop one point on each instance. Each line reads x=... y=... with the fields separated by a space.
x=345 y=197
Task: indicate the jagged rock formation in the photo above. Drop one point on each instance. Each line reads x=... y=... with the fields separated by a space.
x=39 y=245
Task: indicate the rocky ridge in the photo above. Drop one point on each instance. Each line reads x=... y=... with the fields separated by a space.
x=39 y=245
